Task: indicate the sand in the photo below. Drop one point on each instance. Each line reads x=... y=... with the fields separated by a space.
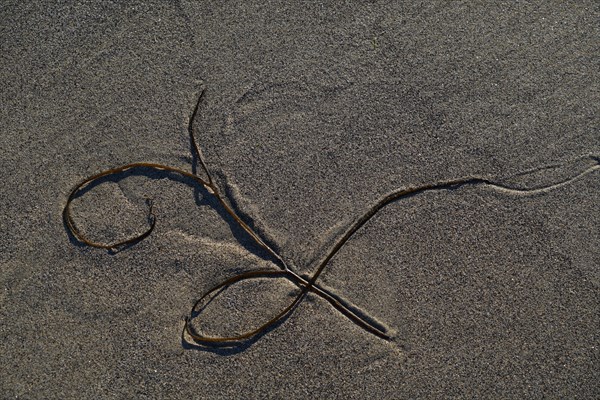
x=313 y=112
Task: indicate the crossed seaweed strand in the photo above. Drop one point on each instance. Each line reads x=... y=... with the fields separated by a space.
x=306 y=285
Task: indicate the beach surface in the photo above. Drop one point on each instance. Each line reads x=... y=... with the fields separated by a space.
x=311 y=114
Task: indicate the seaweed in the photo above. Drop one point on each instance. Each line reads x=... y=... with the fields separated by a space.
x=306 y=285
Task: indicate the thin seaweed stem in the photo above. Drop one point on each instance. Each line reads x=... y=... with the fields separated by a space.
x=305 y=285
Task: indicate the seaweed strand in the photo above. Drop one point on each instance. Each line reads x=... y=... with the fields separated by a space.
x=305 y=285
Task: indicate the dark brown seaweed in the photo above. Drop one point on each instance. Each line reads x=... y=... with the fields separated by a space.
x=306 y=285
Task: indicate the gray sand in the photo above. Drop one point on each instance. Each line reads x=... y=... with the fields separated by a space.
x=312 y=113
